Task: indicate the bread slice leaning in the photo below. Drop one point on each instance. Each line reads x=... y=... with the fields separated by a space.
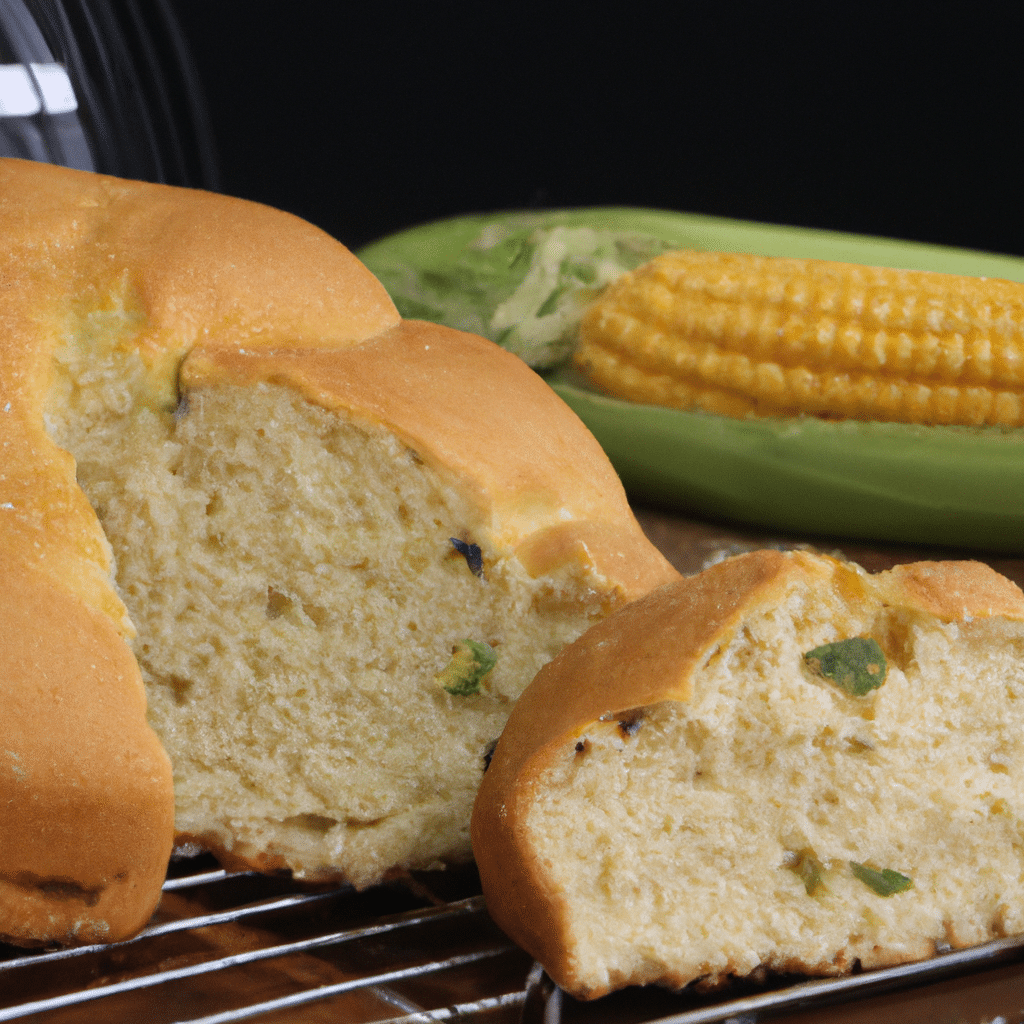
x=233 y=476
x=712 y=782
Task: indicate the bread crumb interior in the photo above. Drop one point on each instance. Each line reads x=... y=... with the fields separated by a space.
x=717 y=837
x=295 y=590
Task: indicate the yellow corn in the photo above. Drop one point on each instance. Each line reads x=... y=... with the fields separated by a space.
x=759 y=336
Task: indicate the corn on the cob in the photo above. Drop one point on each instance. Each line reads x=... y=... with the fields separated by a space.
x=746 y=335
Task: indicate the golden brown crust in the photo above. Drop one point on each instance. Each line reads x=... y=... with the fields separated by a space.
x=447 y=395
x=75 y=865
x=955 y=590
x=649 y=652
x=201 y=266
x=612 y=549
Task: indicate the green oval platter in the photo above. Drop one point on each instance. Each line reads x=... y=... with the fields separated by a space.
x=942 y=486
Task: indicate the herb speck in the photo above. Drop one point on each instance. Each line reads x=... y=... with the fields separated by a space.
x=856 y=665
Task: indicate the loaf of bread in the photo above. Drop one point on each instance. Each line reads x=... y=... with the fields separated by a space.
x=781 y=764
x=332 y=546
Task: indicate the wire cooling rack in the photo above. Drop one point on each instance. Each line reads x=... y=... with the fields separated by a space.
x=236 y=947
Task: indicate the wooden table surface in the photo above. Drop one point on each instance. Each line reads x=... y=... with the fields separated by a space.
x=692 y=544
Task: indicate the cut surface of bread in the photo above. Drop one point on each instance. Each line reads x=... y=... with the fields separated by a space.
x=714 y=797
x=293 y=514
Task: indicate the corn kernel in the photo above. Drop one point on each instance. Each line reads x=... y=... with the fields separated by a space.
x=759 y=336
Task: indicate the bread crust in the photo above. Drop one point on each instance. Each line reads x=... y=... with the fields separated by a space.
x=649 y=652
x=85 y=788
x=544 y=486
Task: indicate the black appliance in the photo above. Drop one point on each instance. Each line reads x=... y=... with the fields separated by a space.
x=103 y=85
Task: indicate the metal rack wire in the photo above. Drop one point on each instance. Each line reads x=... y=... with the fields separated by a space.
x=232 y=947
x=235 y=947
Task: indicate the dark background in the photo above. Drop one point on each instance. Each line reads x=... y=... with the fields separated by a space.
x=366 y=118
